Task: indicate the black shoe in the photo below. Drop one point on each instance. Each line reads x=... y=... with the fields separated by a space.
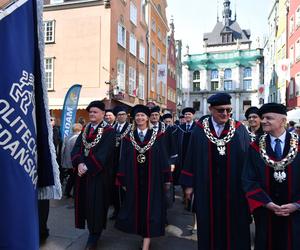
x=92 y=242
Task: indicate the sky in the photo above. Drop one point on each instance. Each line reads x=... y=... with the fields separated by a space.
x=192 y=18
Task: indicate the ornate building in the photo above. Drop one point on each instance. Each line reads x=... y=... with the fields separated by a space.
x=227 y=64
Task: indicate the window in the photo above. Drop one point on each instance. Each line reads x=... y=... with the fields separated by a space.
x=152 y=76
x=153 y=50
x=291 y=88
x=214 y=74
x=49 y=73
x=158 y=56
x=292 y=55
x=247 y=73
x=159 y=33
x=214 y=79
x=196 y=86
x=291 y=26
x=163 y=59
x=297 y=18
x=143 y=10
x=196 y=75
x=133 y=13
x=196 y=80
x=121 y=75
x=153 y=25
x=142 y=52
x=49 y=31
x=297 y=50
x=247 y=81
x=132 y=81
x=227 y=79
x=141 y=87
x=196 y=105
x=121 y=35
x=132 y=45
x=297 y=84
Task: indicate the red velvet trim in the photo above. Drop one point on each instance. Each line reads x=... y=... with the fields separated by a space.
x=255 y=146
x=117 y=182
x=120 y=174
x=253 y=204
x=255 y=191
x=95 y=161
x=199 y=124
x=187 y=173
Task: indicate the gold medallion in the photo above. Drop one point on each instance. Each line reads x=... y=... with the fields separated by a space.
x=141 y=158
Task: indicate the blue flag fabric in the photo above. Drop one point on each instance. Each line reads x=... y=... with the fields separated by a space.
x=28 y=169
x=69 y=110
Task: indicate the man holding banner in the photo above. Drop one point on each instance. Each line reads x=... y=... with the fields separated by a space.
x=28 y=163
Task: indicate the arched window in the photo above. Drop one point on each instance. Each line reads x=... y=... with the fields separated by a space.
x=196 y=80
x=214 y=79
x=227 y=79
x=247 y=78
x=196 y=75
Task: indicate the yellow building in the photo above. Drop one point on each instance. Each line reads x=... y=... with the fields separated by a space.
x=158 y=29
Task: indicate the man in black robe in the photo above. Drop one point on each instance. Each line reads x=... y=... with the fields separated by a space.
x=183 y=134
x=271 y=179
x=122 y=127
x=255 y=129
x=212 y=170
x=91 y=158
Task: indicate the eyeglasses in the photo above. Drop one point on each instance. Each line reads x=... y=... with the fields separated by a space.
x=52 y=120
x=222 y=110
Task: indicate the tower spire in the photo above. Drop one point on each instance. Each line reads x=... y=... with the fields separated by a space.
x=226 y=13
x=217 y=10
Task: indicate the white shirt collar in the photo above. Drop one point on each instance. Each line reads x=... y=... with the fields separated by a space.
x=281 y=138
x=144 y=131
x=191 y=123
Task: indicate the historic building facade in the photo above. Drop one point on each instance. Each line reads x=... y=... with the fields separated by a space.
x=171 y=79
x=227 y=64
x=293 y=88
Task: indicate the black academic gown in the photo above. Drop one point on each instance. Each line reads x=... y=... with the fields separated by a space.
x=272 y=232
x=221 y=208
x=92 y=189
x=143 y=211
x=182 y=138
x=117 y=192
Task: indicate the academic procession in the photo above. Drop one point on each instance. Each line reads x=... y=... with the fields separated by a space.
x=123 y=171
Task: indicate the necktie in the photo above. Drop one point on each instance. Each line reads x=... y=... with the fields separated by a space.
x=278 y=151
x=219 y=130
x=141 y=135
x=188 y=126
x=119 y=129
x=91 y=131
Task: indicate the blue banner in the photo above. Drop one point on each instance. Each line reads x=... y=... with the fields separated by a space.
x=69 y=110
x=26 y=161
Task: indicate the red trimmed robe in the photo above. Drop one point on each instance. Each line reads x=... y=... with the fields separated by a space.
x=221 y=208
x=93 y=188
x=144 y=210
x=272 y=232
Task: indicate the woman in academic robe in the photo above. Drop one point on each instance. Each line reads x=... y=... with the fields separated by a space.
x=145 y=174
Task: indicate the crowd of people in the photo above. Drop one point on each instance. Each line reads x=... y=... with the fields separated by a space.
x=231 y=173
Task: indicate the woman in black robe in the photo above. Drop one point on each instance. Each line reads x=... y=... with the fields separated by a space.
x=144 y=173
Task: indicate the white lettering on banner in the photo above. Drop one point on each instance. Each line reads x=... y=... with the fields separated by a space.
x=24 y=150
x=68 y=121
